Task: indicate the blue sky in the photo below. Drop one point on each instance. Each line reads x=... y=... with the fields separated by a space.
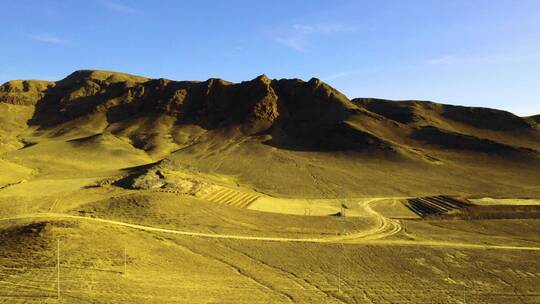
x=470 y=52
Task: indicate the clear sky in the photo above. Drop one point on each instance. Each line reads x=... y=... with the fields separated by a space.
x=470 y=52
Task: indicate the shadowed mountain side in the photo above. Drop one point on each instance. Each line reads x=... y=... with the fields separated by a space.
x=409 y=111
x=535 y=119
x=484 y=118
x=485 y=124
x=299 y=115
x=457 y=141
x=403 y=111
x=281 y=137
x=332 y=137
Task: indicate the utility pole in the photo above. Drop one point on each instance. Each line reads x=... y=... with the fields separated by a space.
x=125 y=258
x=341 y=244
x=339 y=271
x=341 y=256
x=58 y=267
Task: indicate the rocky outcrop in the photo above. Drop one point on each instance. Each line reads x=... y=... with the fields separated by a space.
x=24 y=92
x=292 y=113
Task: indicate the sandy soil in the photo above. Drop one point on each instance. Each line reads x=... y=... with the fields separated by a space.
x=487 y=201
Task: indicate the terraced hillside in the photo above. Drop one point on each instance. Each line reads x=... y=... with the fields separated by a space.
x=436 y=205
x=231 y=197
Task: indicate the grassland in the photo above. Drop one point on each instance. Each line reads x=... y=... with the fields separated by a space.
x=121 y=189
x=147 y=246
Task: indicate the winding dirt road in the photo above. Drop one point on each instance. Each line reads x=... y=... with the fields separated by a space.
x=384 y=227
x=377 y=235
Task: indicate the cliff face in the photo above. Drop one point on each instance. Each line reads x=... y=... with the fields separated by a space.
x=294 y=111
x=212 y=103
x=296 y=114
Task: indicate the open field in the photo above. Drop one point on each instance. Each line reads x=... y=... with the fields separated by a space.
x=505 y=201
x=119 y=246
x=179 y=268
x=225 y=243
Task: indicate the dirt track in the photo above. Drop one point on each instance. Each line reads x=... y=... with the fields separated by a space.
x=377 y=235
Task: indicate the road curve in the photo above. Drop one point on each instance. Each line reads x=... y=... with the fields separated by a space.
x=384 y=227
x=370 y=238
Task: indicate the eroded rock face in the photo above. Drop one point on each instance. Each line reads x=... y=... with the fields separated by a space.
x=161 y=179
x=152 y=179
x=24 y=92
x=290 y=113
x=212 y=103
x=261 y=103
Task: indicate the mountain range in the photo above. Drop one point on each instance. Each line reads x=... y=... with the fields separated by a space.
x=282 y=137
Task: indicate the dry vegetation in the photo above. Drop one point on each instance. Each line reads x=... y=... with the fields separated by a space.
x=266 y=191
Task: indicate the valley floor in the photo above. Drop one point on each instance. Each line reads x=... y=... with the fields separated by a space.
x=125 y=246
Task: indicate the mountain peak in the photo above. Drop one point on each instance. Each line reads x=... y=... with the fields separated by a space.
x=263 y=78
x=101 y=75
x=315 y=81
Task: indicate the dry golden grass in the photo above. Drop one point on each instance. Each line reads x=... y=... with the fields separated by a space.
x=212 y=192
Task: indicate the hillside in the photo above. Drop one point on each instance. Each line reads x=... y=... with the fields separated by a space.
x=285 y=137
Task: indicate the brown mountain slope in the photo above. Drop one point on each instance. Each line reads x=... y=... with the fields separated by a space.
x=283 y=137
x=535 y=119
x=408 y=111
x=483 y=123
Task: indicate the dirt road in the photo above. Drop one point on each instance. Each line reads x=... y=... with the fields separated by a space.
x=377 y=236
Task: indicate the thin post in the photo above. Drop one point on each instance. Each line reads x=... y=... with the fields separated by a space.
x=58 y=267
x=125 y=258
x=340 y=255
x=341 y=244
x=339 y=279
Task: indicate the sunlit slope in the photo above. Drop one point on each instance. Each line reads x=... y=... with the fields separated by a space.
x=79 y=157
x=342 y=174
x=13 y=173
x=13 y=122
x=284 y=137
